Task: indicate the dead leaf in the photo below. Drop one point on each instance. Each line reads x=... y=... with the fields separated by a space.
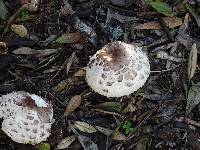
x=3 y=48
x=171 y=22
x=79 y=73
x=64 y=85
x=103 y=130
x=193 y=98
x=45 y=52
x=68 y=38
x=87 y=143
x=37 y=53
x=142 y=143
x=192 y=62
x=122 y=2
x=3 y=10
x=122 y=18
x=110 y=106
x=73 y=104
x=24 y=51
x=82 y=27
x=19 y=30
x=118 y=136
x=188 y=121
x=194 y=13
x=66 y=9
x=84 y=127
x=66 y=142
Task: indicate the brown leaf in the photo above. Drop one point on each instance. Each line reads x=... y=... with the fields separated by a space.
x=73 y=104
x=171 y=22
x=30 y=51
x=118 y=136
x=3 y=48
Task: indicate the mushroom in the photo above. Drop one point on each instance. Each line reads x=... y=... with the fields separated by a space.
x=117 y=69
x=27 y=117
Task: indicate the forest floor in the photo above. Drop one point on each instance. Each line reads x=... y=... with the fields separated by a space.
x=46 y=45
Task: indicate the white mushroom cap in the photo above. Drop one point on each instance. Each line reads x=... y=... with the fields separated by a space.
x=117 y=69
x=27 y=117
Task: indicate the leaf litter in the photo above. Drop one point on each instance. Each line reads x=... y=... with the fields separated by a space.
x=50 y=49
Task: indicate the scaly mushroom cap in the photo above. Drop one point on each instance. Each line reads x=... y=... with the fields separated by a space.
x=117 y=69
x=27 y=117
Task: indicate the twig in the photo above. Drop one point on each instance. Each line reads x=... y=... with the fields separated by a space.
x=68 y=63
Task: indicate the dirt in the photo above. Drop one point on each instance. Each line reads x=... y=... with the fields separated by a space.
x=156 y=112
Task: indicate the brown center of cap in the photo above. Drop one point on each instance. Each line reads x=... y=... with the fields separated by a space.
x=113 y=55
x=44 y=112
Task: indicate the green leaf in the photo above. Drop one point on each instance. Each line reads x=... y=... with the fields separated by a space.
x=127 y=131
x=193 y=97
x=128 y=124
x=44 y=146
x=161 y=7
x=24 y=15
x=110 y=106
x=128 y=127
x=68 y=38
x=3 y=10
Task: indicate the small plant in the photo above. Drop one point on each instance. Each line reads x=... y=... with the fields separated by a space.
x=24 y=15
x=174 y=30
x=128 y=127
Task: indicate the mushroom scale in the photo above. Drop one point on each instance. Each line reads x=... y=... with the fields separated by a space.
x=27 y=117
x=117 y=69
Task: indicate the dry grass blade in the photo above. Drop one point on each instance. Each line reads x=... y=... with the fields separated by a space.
x=73 y=104
x=192 y=62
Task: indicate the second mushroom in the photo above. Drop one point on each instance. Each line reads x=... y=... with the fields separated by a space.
x=27 y=117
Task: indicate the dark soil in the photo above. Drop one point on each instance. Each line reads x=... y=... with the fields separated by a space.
x=157 y=111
